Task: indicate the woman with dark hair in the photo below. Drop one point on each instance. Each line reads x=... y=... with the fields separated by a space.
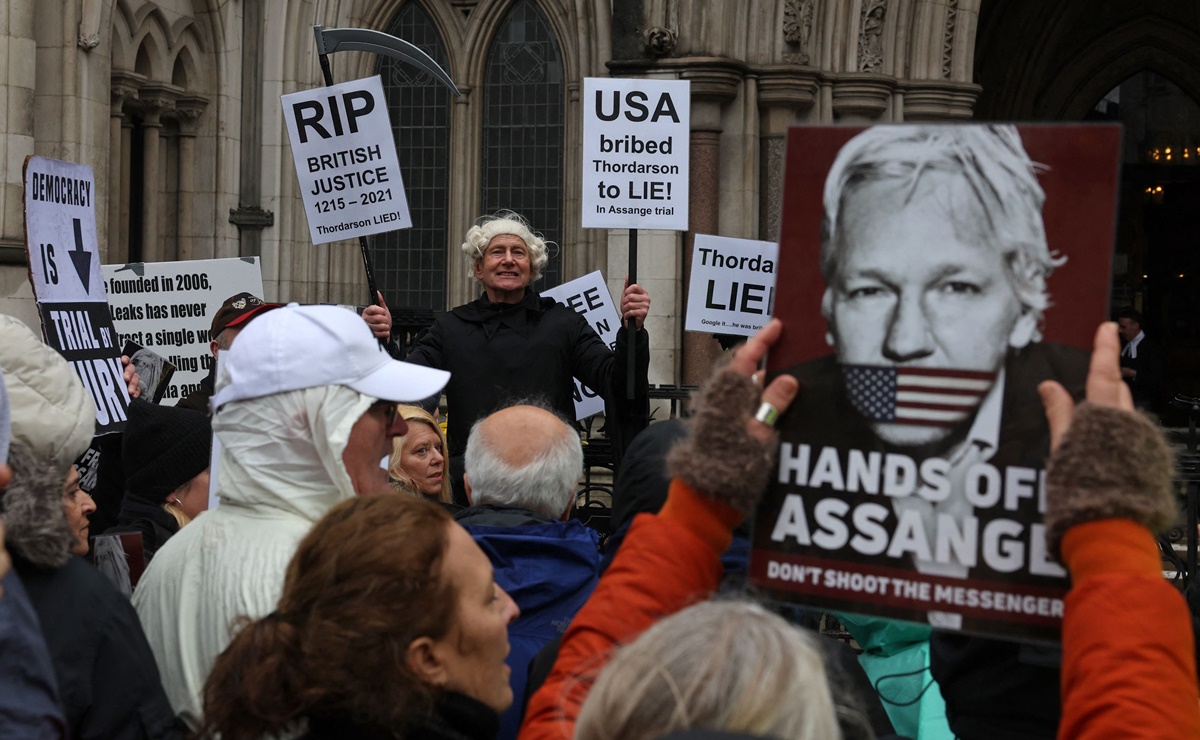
x=390 y=625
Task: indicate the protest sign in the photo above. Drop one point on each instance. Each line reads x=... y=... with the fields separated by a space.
x=589 y=297
x=168 y=307
x=635 y=153
x=962 y=265
x=732 y=288
x=64 y=267
x=346 y=160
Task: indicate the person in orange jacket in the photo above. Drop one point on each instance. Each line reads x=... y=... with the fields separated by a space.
x=1128 y=660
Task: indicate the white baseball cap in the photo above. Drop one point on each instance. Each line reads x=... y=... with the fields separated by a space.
x=297 y=347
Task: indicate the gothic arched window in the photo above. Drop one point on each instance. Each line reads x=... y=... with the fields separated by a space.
x=523 y=127
x=410 y=264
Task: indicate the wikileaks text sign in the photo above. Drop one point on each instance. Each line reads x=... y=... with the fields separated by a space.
x=346 y=160
x=168 y=307
x=635 y=153
x=64 y=267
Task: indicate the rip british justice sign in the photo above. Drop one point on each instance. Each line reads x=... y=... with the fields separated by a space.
x=346 y=160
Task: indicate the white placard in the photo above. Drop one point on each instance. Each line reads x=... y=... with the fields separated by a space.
x=168 y=307
x=635 y=153
x=64 y=266
x=346 y=160
x=589 y=297
x=732 y=290
x=60 y=223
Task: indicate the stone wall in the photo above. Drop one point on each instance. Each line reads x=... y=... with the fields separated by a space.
x=188 y=90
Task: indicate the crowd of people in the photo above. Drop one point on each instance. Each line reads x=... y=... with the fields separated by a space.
x=364 y=574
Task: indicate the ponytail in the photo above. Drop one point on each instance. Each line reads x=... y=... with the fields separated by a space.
x=254 y=687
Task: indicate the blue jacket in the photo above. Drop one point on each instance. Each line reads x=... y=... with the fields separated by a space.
x=29 y=705
x=548 y=567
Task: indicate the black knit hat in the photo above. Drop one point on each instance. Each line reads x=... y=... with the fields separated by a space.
x=164 y=447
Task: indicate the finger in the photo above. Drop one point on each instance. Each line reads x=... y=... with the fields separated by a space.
x=1059 y=407
x=780 y=394
x=379 y=298
x=747 y=357
x=1105 y=386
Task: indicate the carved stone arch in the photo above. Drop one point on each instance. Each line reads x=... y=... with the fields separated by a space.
x=185 y=72
x=123 y=50
x=1147 y=44
x=486 y=20
x=151 y=39
x=190 y=53
x=143 y=60
x=186 y=30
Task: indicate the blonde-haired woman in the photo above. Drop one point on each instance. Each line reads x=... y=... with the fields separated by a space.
x=418 y=464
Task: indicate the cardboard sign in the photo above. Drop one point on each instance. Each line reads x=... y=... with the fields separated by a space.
x=635 y=153
x=589 y=297
x=168 y=307
x=346 y=160
x=64 y=267
x=964 y=264
x=732 y=288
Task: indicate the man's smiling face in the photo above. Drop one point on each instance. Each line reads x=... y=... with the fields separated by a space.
x=504 y=268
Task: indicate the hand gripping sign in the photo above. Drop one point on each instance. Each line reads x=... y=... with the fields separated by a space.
x=168 y=307
x=343 y=147
x=589 y=297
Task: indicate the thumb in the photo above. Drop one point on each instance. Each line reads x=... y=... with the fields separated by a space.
x=1060 y=410
x=780 y=394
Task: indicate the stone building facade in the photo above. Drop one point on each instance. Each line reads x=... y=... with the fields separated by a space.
x=174 y=104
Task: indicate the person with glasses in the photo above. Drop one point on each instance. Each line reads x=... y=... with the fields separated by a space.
x=304 y=411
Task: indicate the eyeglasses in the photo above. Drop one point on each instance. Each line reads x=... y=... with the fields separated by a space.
x=388 y=409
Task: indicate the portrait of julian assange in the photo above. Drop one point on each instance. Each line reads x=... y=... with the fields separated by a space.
x=943 y=273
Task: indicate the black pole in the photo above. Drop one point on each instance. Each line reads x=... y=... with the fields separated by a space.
x=631 y=343
x=368 y=266
x=1192 y=494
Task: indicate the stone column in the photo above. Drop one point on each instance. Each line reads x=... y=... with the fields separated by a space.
x=155 y=100
x=17 y=39
x=124 y=89
x=187 y=112
x=249 y=216
x=123 y=235
x=861 y=96
x=785 y=93
x=938 y=100
x=714 y=83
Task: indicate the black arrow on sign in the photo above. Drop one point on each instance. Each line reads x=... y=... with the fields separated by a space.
x=81 y=258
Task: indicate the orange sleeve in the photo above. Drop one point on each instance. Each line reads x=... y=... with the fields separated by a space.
x=1129 y=666
x=666 y=562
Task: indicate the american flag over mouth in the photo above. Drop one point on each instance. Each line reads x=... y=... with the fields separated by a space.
x=919 y=396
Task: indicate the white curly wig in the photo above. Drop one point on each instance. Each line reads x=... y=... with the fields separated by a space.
x=505 y=222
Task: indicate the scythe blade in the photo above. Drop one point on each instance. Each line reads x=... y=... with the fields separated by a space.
x=377 y=42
